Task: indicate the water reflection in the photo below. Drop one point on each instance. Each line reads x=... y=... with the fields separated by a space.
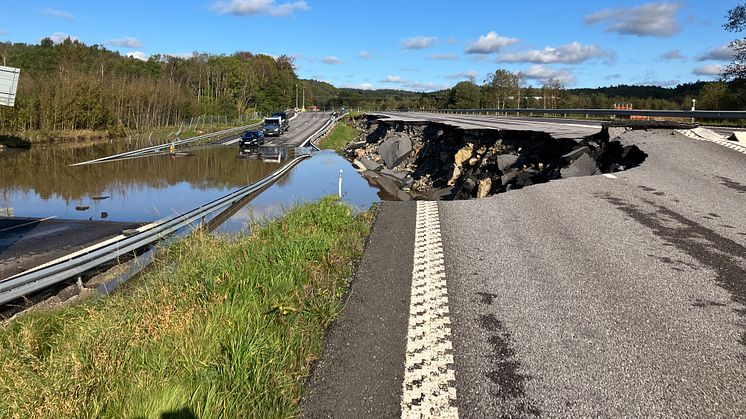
x=39 y=183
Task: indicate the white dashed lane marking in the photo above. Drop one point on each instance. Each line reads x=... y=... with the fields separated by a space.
x=429 y=380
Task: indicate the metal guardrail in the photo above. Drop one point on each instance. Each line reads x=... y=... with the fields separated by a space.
x=322 y=131
x=161 y=147
x=610 y=112
x=75 y=264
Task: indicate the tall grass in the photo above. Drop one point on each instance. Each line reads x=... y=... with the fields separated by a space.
x=216 y=329
x=341 y=135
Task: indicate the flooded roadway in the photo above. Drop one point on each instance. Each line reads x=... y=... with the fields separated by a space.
x=39 y=183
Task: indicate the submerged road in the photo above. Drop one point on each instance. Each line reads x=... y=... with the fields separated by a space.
x=301 y=127
x=619 y=295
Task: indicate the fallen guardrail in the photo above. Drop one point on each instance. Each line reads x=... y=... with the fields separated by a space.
x=75 y=264
x=162 y=147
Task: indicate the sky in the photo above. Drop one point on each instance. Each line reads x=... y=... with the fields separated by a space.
x=410 y=45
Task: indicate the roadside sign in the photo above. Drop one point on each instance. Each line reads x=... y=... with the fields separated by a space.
x=8 y=85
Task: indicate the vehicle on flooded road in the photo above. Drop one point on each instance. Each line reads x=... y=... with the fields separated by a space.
x=251 y=138
x=272 y=126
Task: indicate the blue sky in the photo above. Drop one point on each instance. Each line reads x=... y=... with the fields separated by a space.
x=405 y=44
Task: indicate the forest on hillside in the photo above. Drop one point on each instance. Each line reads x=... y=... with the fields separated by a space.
x=503 y=91
x=71 y=85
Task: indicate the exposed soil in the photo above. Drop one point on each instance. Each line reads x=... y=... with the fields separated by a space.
x=428 y=160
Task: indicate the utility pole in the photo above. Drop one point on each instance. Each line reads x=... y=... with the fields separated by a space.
x=296 y=96
x=304 y=100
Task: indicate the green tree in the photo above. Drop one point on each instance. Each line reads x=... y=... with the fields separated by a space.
x=737 y=23
x=464 y=95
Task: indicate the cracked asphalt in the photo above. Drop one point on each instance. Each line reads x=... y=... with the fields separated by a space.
x=590 y=296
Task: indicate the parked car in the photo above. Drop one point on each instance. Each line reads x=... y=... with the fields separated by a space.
x=251 y=138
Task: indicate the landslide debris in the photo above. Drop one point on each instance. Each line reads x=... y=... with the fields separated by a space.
x=429 y=160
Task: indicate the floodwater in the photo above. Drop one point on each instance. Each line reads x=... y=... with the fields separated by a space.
x=40 y=183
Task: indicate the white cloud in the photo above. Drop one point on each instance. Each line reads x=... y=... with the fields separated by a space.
x=444 y=57
x=59 y=37
x=464 y=75
x=672 y=55
x=361 y=86
x=393 y=79
x=410 y=69
x=657 y=19
x=62 y=14
x=365 y=55
x=567 y=54
x=126 y=42
x=721 y=53
x=332 y=60
x=543 y=74
x=418 y=42
x=258 y=7
x=138 y=55
x=712 y=70
x=613 y=76
x=424 y=86
x=4 y=33
x=492 y=42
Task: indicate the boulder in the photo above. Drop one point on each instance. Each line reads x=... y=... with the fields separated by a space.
x=395 y=174
x=473 y=161
x=585 y=165
x=524 y=179
x=463 y=155
x=394 y=150
x=359 y=152
x=576 y=153
x=369 y=164
x=509 y=177
x=454 y=175
x=504 y=161
x=483 y=187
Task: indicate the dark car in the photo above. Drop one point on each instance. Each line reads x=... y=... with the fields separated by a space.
x=251 y=138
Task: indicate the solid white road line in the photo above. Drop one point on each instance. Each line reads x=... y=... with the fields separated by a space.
x=610 y=176
x=429 y=380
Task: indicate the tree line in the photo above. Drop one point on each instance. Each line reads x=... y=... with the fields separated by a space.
x=504 y=89
x=70 y=85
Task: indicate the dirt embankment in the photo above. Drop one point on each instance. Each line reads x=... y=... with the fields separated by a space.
x=438 y=161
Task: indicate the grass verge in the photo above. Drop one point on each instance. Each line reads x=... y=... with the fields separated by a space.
x=216 y=329
x=341 y=135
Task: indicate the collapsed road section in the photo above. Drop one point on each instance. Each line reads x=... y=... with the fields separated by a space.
x=434 y=160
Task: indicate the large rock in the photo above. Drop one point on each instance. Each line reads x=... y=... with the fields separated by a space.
x=585 y=165
x=483 y=187
x=396 y=174
x=509 y=177
x=576 y=153
x=454 y=175
x=463 y=155
x=394 y=150
x=368 y=164
x=505 y=161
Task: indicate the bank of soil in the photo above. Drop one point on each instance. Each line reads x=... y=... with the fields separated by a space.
x=429 y=160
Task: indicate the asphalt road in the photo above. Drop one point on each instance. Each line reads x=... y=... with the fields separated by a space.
x=590 y=296
x=301 y=127
x=559 y=127
x=29 y=242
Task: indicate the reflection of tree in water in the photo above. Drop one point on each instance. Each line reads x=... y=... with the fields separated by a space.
x=47 y=171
